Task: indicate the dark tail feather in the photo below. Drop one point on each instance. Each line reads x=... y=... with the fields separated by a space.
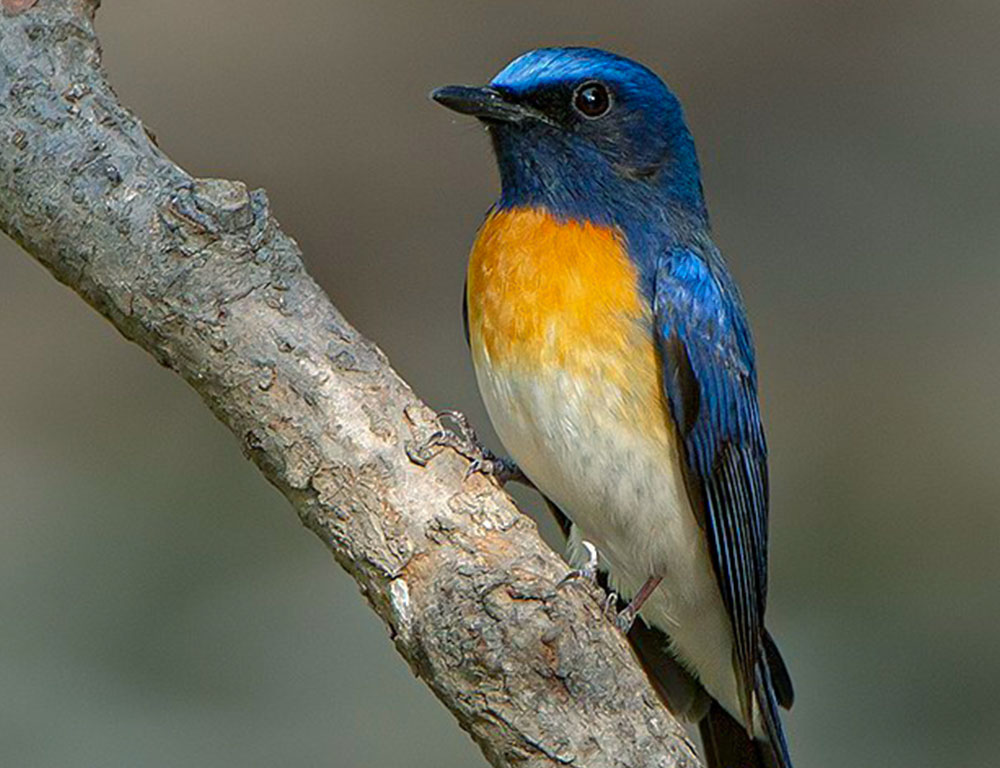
x=727 y=744
x=781 y=680
x=768 y=703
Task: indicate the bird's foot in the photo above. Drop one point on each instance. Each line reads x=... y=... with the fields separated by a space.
x=626 y=617
x=588 y=571
x=504 y=469
x=461 y=438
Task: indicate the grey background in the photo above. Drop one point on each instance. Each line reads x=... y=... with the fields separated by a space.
x=160 y=605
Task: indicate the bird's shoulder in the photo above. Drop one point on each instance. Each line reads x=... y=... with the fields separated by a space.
x=696 y=301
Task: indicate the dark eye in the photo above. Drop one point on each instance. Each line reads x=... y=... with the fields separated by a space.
x=592 y=100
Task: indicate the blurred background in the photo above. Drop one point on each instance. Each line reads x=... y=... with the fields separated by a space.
x=160 y=604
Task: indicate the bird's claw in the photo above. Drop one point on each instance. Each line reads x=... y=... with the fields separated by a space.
x=588 y=571
x=491 y=465
x=462 y=438
x=611 y=605
x=625 y=619
x=461 y=435
x=622 y=619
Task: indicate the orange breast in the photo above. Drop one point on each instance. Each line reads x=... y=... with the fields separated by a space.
x=545 y=293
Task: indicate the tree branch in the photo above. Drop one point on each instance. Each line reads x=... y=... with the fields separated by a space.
x=198 y=273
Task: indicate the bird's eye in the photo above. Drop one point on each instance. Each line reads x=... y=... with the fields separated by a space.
x=592 y=100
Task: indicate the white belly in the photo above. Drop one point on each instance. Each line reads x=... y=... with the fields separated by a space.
x=620 y=482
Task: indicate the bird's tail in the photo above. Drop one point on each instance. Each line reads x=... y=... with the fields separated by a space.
x=726 y=741
x=770 y=688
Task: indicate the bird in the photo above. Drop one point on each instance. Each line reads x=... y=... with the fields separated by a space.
x=613 y=353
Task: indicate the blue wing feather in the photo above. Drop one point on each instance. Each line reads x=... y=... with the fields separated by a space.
x=711 y=385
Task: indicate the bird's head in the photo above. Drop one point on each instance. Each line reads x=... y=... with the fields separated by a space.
x=585 y=133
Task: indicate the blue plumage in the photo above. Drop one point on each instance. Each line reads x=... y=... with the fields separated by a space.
x=711 y=384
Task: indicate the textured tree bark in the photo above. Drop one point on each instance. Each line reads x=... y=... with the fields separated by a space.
x=198 y=273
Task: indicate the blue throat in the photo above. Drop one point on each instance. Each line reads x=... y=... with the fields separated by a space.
x=578 y=181
x=656 y=205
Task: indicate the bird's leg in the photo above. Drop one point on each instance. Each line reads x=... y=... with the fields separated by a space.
x=625 y=619
x=588 y=571
x=463 y=440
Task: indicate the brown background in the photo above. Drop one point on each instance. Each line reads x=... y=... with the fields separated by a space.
x=160 y=605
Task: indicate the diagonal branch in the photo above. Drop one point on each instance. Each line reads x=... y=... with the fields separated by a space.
x=198 y=273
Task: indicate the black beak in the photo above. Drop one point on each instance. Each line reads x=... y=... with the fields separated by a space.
x=485 y=103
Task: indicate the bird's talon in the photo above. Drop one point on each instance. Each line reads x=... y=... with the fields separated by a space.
x=461 y=439
x=504 y=470
x=421 y=453
x=575 y=574
x=611 y=605
x=588 y=571
x=463 y=431
x=418 y=453
x=625 y=619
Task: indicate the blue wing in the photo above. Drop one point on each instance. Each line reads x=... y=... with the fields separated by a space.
x=711 y=385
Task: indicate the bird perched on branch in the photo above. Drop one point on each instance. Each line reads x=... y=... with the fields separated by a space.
x=613 y=353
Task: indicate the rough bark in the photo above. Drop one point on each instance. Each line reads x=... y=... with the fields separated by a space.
x=198 y=273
